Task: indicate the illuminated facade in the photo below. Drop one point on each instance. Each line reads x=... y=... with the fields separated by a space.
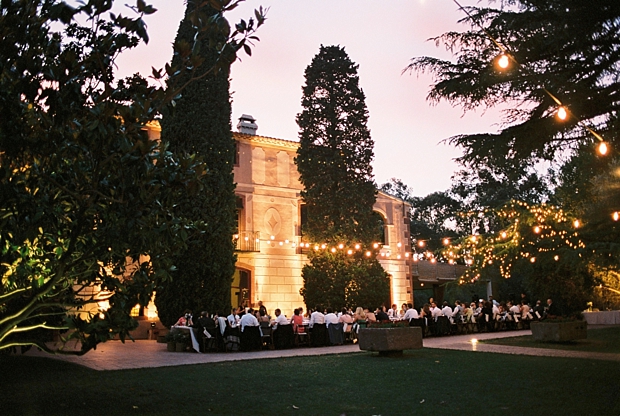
x=269 y=256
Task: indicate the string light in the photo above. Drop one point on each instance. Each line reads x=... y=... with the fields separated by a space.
x=615 y=216
x=561 y=113
x=503 y=61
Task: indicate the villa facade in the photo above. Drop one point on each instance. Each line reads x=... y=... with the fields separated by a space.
x=270 y=252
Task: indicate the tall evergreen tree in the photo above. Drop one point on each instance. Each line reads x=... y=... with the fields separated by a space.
x=199 y=124
x=333 y=160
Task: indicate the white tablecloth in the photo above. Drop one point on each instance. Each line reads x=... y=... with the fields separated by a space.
x=195 y=344
x=602 y=318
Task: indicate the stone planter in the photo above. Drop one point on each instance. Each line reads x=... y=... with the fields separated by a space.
x=549 y=331
x=390 y=341
x=171 y=346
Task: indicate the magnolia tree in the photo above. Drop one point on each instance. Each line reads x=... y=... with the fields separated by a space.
x=84 y=193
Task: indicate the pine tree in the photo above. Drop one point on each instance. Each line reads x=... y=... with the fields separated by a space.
x=333 y=160
x=199 y=124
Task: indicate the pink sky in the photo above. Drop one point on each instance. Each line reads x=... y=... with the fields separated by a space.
x=380 y=36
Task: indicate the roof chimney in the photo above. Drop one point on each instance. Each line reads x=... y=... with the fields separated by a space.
x=247 y=124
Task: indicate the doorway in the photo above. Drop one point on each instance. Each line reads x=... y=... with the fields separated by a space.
x=240 y=289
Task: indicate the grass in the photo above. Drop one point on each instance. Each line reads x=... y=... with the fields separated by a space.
x=599 y=340
x=422 y=382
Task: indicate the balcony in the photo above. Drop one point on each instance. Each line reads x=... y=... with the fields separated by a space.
x=247 y=241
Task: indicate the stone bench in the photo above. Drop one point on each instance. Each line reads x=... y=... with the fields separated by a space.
x=390 y=341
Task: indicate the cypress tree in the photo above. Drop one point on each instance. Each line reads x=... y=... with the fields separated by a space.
x=199 y=123
x=333 y=160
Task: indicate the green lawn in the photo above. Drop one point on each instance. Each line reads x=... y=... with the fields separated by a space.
x=423 y=382
x=599 y=340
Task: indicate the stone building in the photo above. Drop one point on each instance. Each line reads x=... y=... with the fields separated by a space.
x=270 y=247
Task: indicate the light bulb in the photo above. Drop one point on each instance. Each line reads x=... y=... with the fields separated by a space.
x=562 y=113
x=602 y=148
x=503 y=61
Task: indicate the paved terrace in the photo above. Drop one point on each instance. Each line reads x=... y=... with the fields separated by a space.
x=114 y=355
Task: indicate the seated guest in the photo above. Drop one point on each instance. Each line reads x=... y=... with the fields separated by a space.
x=370 y=316
x=205 y=322
x=262 y=315
x=233 y=318
x=410 y=313
x=393 y=312
x=280 y=319
x=345 y=317
x=435 y=311
x=525 y=310
x=446 y=310
x=186 y=319
x=330 y=317
x=359 y=316
x=346 y=320
x=514 y=309
x=248 y=319
x=466 y=312
x=552 y=309
x=297 y=320
x=539 y=310
x=426 y=311
x=221 y=322
x=317 y=317
x=381 y=315
x=457 y=311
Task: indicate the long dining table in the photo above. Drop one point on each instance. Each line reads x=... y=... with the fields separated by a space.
x=602 y=317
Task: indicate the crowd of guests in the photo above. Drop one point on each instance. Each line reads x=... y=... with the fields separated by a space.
x=325 y=326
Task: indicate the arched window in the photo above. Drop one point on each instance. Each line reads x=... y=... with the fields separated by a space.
x=379 y=222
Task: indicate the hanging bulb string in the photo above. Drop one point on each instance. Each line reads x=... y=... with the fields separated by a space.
x=511 y=56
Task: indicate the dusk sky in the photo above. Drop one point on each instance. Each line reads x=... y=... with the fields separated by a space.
x=381 y=37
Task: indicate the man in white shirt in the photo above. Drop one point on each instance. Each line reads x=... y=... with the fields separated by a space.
x=317 y=317
x=393 y=312
x=233 y=318
x=514 y=308
x=248 y=319
x=457 y=311
x=446 y=310
x=435 y=311
x=280 y=319
x=410 y=312
x=330 y=317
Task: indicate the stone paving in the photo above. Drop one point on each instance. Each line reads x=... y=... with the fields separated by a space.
x=114 y=355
